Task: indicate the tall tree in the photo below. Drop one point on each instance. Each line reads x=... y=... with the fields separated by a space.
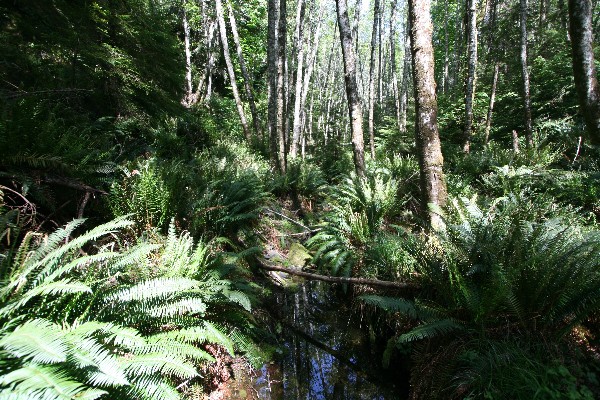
x=405 y=79
x=395 y=88
x=297 y=124
x=374 y=43
x=230 y=69
x=525 y=75
x=188 y=58
x=272 y=44
x=247 y=81
x=276 y=33
x=584 y=70
x=281 y=86
x=471 y=72
x=488 y=121
x=354 y=104
x=431 y=161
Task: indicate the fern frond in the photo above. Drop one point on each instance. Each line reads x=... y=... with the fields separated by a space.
x=430 y=330
x=149 y=364
x=153 y=289
x=37 y=340
x=43 y=382
x=392 y=304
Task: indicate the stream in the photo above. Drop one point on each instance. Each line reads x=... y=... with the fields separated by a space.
x=326 y=354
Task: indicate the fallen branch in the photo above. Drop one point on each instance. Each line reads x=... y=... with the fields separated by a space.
x=338 y=279
x=309 y=230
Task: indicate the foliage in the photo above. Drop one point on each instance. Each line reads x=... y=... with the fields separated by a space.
x=142 y=193
x=494 y=273
x=359 y=207
x=73 y=327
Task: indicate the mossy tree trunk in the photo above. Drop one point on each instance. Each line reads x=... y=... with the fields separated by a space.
x=433 y=184
x=584 y=70
x=354 y=103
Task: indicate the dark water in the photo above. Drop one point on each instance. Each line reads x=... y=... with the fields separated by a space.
x=327 y=352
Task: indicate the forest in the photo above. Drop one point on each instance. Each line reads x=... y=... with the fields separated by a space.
x=296 y=199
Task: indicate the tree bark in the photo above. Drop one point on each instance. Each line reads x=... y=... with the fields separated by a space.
x=372 y=79
x=354 y=104
x=405 y=79
x=188 y=59
x=515 y=141
x=272 y=51
x=393 y=62
x=525 y=76
x=230 y=70
x=584 y=70
x=281 y=67
x=471 y=73
x=297 y=124
x=433 y=185
x=488 y=121
x=446 y=56
x=249 y=94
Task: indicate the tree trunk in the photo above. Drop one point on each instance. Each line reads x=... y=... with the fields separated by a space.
x=471 y=73
x=354 y=105
x=433 y=185
x=515 y=141
x=372 y=80
x=230 y=70
x=272 y=52
x=307 y=76
x=488 y=121
x=188 y=60
x=393 y=62
x=446 y=57
x=236 y=38
x=297 y=125
x=405 y=78
x=281 y=68
x=584 y=70
x=525 y=75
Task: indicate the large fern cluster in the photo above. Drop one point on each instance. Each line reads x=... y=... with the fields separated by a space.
x=79 y=325
x=493 y=275
x=358 y=210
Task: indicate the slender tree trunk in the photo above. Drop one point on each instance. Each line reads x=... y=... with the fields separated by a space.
x=230 y=70
x=380 y=40
x=488 y=121
x=405 y=79
x=372 y=80
x=188 y=60
x=471 y=73
x=525 y=75
x=515 y=141
x=393 y=62
x=584 y=70
x=281 y=68
x=249 y=94
x=307 y=76
x=297 y=126
x=446 y=56
x=272 y=57
x=354 y=104
x=433 y=185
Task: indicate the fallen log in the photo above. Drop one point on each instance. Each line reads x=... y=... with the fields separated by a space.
x=338 y=279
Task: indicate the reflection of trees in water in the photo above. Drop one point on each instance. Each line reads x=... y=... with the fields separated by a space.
x=323 y=359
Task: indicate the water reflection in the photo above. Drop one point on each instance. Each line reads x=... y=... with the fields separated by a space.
x=327 y=356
